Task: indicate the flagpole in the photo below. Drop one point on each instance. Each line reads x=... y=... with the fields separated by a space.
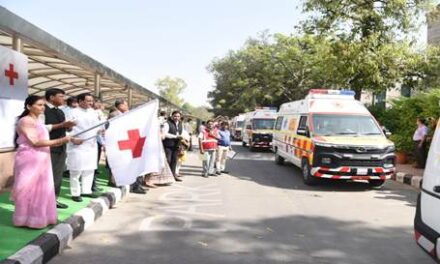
x=113 y=118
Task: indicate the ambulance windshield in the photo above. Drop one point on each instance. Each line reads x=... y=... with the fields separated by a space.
x=337 y=125
x=263 y=123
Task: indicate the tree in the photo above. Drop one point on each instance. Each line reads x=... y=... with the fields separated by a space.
x=370 y=37
x=171 y=89
x=269 y=71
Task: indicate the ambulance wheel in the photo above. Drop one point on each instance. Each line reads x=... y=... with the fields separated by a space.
x=278 y=159
x=307 y=176
x=376 y=183
x=243 y=144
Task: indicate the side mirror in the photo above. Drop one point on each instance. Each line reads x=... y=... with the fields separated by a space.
x=386 y=131
x=304 y=132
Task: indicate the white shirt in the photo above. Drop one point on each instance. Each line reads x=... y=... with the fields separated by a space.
x=166 y=130
x=85 y=156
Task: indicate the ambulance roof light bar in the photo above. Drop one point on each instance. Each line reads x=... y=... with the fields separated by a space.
x=332 y=92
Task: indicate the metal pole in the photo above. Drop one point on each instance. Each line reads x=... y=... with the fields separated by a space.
x=130 y=96
x=17 y=43
x=97 y=82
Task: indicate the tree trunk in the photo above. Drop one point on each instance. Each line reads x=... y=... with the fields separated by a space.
x=358 y=93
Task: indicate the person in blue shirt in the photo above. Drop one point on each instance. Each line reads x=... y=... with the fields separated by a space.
x=224 y=145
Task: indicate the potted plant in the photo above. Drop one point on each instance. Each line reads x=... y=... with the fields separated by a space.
x=403 y=147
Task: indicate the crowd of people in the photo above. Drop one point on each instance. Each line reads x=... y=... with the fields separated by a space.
x=51 y=143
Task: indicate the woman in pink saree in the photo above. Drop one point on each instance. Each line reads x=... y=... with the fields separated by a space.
x=33 y=190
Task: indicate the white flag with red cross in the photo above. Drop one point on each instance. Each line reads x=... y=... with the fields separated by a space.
x=13 y=92
x=133 y=144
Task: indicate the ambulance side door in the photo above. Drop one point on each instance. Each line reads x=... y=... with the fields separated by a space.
x=430 y=195
x=290 y=126
x=278 y=137
x=301 y=126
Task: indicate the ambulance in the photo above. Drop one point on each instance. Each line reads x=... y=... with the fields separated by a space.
x=237 y=127
x=331 y=135
x=427 y=219
x=258 y=127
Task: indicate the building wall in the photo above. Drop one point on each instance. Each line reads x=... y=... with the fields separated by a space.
x=6 y=170
x=434 y=32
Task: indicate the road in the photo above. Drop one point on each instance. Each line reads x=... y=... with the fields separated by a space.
x=259 y=213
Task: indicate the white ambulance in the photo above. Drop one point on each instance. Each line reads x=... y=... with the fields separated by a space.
x=427 y=219
x=237 y=124
x=331 y=135
x=258 y=128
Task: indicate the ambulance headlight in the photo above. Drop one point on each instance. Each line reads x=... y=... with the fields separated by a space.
x=388 y=163
x=326 y=160
x=391 y=148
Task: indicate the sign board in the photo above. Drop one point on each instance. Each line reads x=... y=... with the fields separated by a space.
x=13 y=92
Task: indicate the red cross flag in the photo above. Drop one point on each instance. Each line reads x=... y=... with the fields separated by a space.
x=13 y=92
x=133 y=144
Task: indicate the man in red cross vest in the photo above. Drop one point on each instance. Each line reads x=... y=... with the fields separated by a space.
x=208 y=143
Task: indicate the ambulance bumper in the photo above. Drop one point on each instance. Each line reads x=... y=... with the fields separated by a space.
x=427 y=238
x=353 y=173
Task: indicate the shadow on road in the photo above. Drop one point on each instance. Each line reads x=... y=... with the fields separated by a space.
x=289 y=239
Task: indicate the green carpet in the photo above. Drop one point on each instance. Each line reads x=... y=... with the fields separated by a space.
x=12 y=238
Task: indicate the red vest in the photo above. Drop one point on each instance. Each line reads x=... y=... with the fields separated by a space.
x=209 y=142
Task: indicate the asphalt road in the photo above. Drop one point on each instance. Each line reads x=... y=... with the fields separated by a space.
x=259 y=213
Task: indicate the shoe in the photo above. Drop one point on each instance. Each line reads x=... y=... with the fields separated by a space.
x=150 y=185
x=211 y=174
x=90 y=195
x=178 y=179
x=97 y=189
x=218 y=173
x=205 y=175
x=61 y=205
x=77 y=198
x=226 y=172
x=139 y=190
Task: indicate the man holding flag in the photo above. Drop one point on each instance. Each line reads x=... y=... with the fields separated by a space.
x=82 y=159
x=133 y=143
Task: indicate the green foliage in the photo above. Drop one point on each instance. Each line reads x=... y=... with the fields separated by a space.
x=400 y=119
x=171 y=89
x=269 y=71
x=371 y=57
x=202 y=112
x=360 y=19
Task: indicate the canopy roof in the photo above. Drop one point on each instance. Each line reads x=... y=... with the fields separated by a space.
x=53 y=63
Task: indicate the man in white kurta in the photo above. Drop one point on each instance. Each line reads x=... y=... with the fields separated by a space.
x=82 y=159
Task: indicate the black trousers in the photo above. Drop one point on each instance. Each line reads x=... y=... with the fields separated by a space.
x=94 y=187
x=171 y=154
x=420 y=154
x=58 y=159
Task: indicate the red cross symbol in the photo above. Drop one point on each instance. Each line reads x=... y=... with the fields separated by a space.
x=135 y=143
x=11 y=74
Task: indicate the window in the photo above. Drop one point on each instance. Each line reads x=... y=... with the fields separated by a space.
x=337 y=125
x=263 y=123
x=302 y=123
x=279 y=123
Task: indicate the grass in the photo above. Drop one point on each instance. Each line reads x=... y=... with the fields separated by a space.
x=13 y=238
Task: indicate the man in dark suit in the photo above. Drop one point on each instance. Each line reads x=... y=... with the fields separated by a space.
x=57 y=125
x=172 y=130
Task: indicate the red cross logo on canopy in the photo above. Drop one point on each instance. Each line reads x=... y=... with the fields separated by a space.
x=135 y=143
x=11 y=74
